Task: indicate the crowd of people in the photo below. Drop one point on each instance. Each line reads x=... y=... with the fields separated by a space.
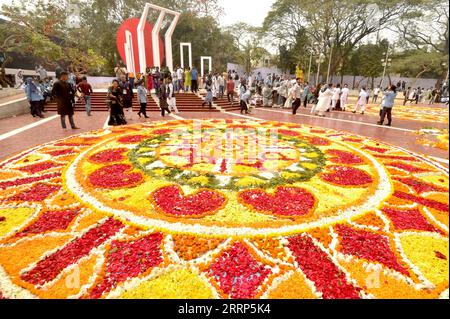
x=249 y=90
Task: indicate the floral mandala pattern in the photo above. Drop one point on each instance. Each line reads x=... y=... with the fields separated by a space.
x=224 y=209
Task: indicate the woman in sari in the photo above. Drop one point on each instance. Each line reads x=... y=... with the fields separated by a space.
x=115 y=103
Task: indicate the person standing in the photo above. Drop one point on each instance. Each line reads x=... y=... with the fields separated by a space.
x=297 y=93
x=388 y=103
x=64 y=94
x=18 y=79
x=162 y=95
x=230 y=90
x=267 y=96
x=131 y=78
x=187 y=79
x=156 y=75
x=376 y=93
x=243 y=96
x=362 y=101
x=418 y=96
x=194 y=80
x=58 y=72
x=406 y=95
x=149 y=77
x=175 y=80
x=324 y=100
x=127 y=96
x=209 y=94
x=306 y=92
x=41 y=72
x=86 y=90
x=434 y=93
x=142 y=97
x=171 y=100
x=180 y=79
x=221 y=86
x=336 y=97
x=34 y=97
x=344 y=96
x=115 y=104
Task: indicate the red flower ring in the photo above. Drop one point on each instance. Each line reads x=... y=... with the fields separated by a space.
x=28 y=180
x=408 y=168
x=376 y=149
x=39 y=167
x=132 y=139
x=318 y=141
x=36 y=194
x=285 y=202
x=346 y=176
x=343 y=157
x=115 y=176
x=171 y=200
x=109 y=156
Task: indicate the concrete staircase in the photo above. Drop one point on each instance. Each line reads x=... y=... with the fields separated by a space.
x=186 y=102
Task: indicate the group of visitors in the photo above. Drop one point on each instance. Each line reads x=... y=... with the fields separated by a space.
x=419 y=95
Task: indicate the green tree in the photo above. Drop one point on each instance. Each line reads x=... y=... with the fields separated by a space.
x=348 y=22
x=41 y=30
x=420 y=63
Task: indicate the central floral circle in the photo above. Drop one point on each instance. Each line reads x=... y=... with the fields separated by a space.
x=228 y=158
x=228 y=178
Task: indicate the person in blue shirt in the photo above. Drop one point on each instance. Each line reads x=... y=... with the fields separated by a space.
x=388 y=103
x=194 y=80
x=34 y=96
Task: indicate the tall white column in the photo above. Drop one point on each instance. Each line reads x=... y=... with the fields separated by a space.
x=155 y=40
x=189 y=46
x=202 y=64
x=129 y=52
x=155 y=37
x=168 y=42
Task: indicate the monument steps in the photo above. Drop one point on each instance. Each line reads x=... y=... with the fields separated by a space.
x=186 y=102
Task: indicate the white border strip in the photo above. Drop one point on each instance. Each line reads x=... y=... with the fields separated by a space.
x=27 y=127
x=341 y=120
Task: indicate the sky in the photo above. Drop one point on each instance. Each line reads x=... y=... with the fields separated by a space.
x=251 y=11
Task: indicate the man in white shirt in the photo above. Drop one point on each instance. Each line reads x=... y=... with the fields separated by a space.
x=362 y=101
x=171 y=101
x=336 y=96
x=297 y=93
x=344 y=96
x=180 y=78
x=376 y=92
x=221 y=81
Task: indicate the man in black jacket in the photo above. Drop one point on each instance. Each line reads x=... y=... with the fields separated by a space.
x=162 y=94
x=63 y=93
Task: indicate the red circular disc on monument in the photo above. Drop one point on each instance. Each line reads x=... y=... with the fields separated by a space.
x=131 y=26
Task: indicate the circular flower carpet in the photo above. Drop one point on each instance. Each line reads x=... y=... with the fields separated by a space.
x=222 y=209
